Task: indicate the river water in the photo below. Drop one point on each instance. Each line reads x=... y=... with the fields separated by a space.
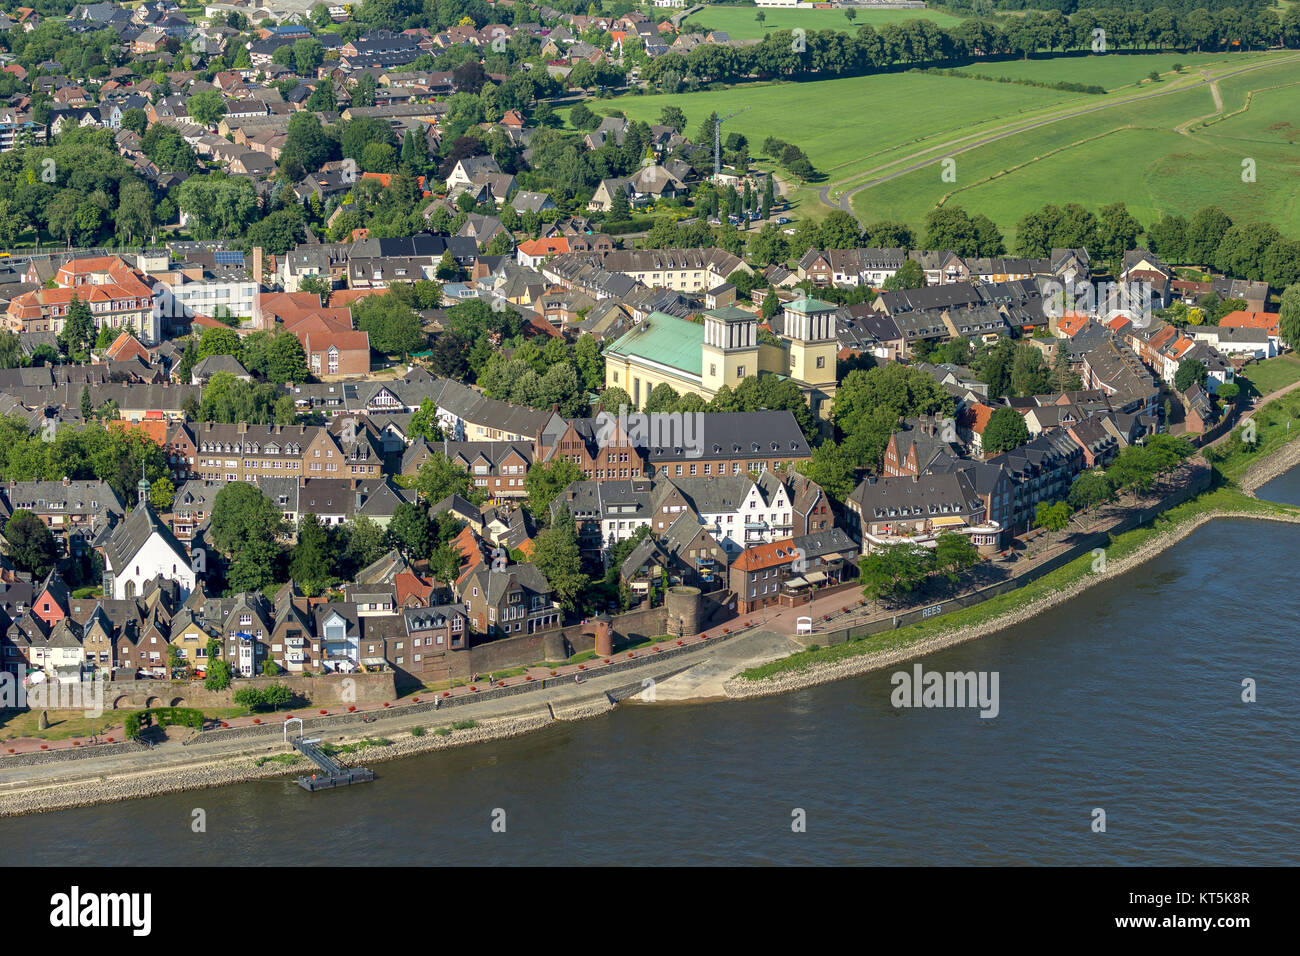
x=1127 y=699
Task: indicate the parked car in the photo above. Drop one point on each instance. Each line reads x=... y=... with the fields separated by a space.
x=783 y=220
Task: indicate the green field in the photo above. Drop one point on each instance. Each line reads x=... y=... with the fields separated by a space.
x=1159 y=146
x=1132 y=153
x=843 y=123
x=1274 y=373
x=1111 y=71
x=740 y=22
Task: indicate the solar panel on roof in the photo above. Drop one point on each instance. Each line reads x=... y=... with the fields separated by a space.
x=228 y=257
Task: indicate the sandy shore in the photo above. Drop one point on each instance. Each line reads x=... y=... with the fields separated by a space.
x=823 y=673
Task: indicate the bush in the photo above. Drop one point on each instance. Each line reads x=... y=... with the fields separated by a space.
x=137 y=721
x=464 y=725
x=443 y=731
x=417 y=731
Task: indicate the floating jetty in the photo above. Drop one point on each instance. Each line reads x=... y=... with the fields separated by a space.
x=332 y=775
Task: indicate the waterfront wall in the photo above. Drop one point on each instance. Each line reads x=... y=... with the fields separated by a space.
x=633 y=627
x=325 y=689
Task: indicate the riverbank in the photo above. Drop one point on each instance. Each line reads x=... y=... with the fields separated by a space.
x=708 y=675
x=267 y=762
x=856 y=658
x=1261 y=472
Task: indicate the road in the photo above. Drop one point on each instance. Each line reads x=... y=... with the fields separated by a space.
x=964 y=144
x=1260 y=403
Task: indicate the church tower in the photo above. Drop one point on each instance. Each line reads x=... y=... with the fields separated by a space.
x=142 y=489
x=810 y=328
x=730 y=347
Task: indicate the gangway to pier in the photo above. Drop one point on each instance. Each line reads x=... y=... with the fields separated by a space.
x=331 y=773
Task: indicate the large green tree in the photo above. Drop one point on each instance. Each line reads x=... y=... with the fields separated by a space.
x=31 y=546
x=1006 y=429
x=241 y=514
x=392 y=325
x=312 y=557
x=556 y=555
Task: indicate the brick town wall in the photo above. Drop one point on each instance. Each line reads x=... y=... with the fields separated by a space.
x=513 y=652
x=317 y=689
x=630 y=628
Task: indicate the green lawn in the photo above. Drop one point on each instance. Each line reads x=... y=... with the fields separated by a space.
x=742 y=24
x=1274 y=373
x=1276 y=424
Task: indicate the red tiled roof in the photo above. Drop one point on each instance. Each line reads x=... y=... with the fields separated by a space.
x=978 y=416
x=153 y=429
x=759 y=556
x=1072 y=323
x=342 y=297
x=549 y=246
x=409 y=583
x=1243 y=319
x=126 y=346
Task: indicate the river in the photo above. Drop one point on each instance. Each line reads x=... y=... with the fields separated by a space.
x=1127 y=699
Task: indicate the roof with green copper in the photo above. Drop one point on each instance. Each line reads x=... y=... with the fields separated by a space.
x=731 y=313
x=664 y=339
x=808 y=304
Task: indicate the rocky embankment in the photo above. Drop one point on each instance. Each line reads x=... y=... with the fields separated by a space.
x=821 y=673
x=142 y=781
x=1265 y=470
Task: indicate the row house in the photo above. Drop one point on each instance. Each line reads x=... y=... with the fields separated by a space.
x=72 y=509
x=686 y=554
x=789 y=572
x=736 y=510
x=1121 y=375
x=510 y=601
x=348 y=448
x=1166 y=347
x=849 y=268
x=420 y=648
x=914 y=510
x=912 y=449
x=496 y=468
x=1041 y=470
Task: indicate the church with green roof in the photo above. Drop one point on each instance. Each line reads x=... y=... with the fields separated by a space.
x=724 y=349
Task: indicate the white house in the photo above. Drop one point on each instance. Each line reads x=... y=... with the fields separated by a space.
x=140 y=549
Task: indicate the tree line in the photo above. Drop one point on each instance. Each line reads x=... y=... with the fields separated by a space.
x=831 y=53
